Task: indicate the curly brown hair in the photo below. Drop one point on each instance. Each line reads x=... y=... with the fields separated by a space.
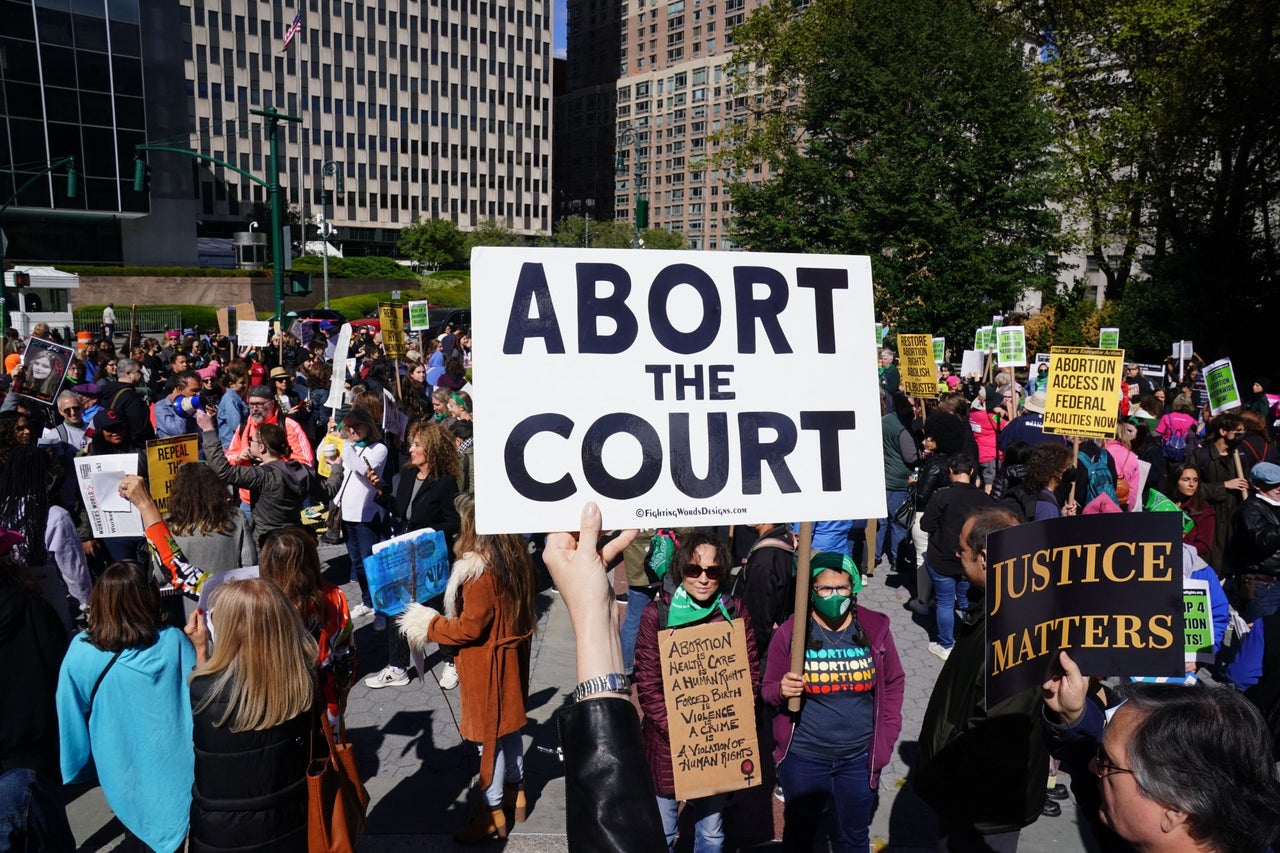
x=505 y=555
x=438 y=445
x=1047 y=461
x=199 y=502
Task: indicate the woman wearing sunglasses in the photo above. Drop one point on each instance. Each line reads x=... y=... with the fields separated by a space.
x=690 y=595
x=850 y=714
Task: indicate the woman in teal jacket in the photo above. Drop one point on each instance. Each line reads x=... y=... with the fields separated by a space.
x=123 y=702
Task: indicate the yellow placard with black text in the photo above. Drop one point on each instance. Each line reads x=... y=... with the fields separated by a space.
x=392 y=322
x=164 y=457
x=1083 y=396
x=919 y=370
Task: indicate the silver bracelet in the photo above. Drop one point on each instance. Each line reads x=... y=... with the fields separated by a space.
x=612 y=682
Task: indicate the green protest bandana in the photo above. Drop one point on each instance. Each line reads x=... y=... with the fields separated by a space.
x=685 y=610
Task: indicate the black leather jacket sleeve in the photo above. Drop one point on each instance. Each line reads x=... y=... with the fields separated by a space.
x=609 y=799
x=933 y=476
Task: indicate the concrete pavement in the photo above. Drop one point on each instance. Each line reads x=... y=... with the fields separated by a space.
x=420 y=773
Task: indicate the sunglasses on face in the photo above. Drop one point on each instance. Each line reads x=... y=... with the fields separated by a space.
x=712 y=572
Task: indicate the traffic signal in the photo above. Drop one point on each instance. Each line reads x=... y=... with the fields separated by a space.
x=642 y=213
x=299 y=283
x=141 y=175
x=21 y=279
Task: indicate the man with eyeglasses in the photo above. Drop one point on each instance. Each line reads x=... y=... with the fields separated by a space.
x=1177 y=768
x=121 y=396
x=70 y=433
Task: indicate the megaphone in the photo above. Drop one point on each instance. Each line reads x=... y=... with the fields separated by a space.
x=187 y=405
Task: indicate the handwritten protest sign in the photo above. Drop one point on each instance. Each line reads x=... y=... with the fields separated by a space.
x=410 y=567
x=939 y=350
x=1011 y=346
x=677 y=358
x=419 y=315
x=711 y=719
x=1198 y=621
x=164 y=457
x=99 y=478
x=1105 y=588
x=1083 y=396
x=1220 y=379
x=919 y=370
x=1109 y=338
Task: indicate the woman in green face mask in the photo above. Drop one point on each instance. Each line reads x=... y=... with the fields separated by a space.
x=690 y=596
x=850 y=713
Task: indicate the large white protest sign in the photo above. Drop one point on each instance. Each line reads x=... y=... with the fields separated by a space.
x=337 y=383
x=674 y=388
x=99 y=478
x=254 y=333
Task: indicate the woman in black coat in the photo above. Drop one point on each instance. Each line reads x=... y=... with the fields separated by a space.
x=944 y=434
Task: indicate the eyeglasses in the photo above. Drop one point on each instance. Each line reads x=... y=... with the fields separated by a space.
x=712 y=572
x=71 y=409
x=1102 y=766
x=828 y=591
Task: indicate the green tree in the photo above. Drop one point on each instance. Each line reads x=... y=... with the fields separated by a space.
x=660 y=238
x=907 y=130
x=575 y=231
x=433 y=243
x=492 y=233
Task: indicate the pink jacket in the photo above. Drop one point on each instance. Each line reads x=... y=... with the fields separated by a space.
x=1127 y=466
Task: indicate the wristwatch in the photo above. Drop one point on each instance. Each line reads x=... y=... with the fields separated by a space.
x=612 y=682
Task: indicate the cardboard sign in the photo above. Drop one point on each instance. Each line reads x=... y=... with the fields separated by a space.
x=973 y=363
x=46 y=363
x=164 y=457
x=1105 y=588
x=1198 y=621
x=253 y=333
x=918 y=369
x=419 y=318
x=1109 y=338
x=1220 y=380
x=676 y=358
x=110 y=514
x=939 y=350
x=711 y=718
x=1011 y=346
x=1083 y=397
x=392 y=322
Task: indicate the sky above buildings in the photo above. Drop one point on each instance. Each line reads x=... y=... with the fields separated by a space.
x=558 y=23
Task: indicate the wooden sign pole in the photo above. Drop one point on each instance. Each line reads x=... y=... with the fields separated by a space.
x=800 y=625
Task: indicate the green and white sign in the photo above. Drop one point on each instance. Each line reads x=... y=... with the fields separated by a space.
x=939 y=350
x=1109 y=338
x=984 y=340
x=1197 y=620
x=1011 y=346
x=1220 y=378
x=418 y=320
x=881 y=331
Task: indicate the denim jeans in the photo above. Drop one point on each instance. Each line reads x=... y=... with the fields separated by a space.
x=1266 y=600
x=890 y=529
x=637 y=598
x=32 y=816
x=361 y=537
x=947 y=590
x=810 y=783
x=508 y=767
x=708 y=827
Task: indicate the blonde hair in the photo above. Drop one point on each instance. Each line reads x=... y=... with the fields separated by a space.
x=263 y=664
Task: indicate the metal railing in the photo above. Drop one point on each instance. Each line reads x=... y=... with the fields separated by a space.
x=150 y=320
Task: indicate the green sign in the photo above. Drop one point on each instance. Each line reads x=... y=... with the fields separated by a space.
x=984 y=340
x=1011 y=346
x=1198 y=620
x=939 y=350
x=1220 y=378
x=1108 y=339
x=418 y=320
x=881 y=331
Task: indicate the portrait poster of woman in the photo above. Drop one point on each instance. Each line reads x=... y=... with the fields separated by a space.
x=46 y=363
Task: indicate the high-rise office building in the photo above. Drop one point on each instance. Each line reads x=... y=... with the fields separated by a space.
x=668 y=62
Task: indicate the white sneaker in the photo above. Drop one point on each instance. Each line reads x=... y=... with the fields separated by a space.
x=939 y=651
x=360 y=611
x=449 y=678
x=388 y=677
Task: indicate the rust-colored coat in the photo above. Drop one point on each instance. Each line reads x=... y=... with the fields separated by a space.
x=493 y=665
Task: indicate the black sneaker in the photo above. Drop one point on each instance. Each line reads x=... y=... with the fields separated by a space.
x=1051 y=809
x=1058 y=792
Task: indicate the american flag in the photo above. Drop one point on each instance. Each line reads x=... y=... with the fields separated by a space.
x=293 y=30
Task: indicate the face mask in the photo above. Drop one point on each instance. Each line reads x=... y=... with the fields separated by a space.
x=834 y=606
x=364 y=442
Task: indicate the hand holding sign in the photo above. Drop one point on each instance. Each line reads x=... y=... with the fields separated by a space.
x=1065 y=690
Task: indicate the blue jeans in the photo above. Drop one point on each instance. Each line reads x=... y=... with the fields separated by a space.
x=947 y=590
x=1266 y=600
x=708 y=827
x=809 y=783
x=890 y=528
x=32 y=816
x=637 y=598
x=508 y=767
x=361 y=537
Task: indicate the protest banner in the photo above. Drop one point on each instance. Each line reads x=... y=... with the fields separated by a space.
x=392 y=323
x=939 y=350
x=1109 y=338
x=253 y=333
x=1011 y=346
x=1106 y=588
x=918 y=369
x=1198 y=621
x=984 y=339
x=711 y=718
x=110 y=513
x=973 y=363
x=46 y=363
x=1083 y=396
x=337 y=390
x=678 y=357
x=419 y=315
x=410 y=567
x=1220 y=380
x=164 y=457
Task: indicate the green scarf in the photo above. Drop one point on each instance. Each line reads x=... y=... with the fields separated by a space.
x=685 y=611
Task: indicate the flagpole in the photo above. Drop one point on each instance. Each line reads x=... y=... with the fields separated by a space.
x=302 y=135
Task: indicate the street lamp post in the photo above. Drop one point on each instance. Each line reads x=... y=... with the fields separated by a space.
x=330 y=168
x=627 y=137
x=326 y=228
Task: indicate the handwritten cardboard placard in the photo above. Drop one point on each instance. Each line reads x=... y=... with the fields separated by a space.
x=919 y=370
x=164 y=457
x=711 y=719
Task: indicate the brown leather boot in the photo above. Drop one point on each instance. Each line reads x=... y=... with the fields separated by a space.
x=513 y=800
x=487 y=823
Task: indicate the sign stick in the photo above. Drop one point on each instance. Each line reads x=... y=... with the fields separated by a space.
x=1235 y=457
x=869 y=569
x=800 y=625
x=396 y=366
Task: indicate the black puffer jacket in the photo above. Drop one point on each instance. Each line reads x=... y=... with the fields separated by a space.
x=250 y=792
x=1254 y=544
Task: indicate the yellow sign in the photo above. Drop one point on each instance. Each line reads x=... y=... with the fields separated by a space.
x=164 y=457
x=392 y=322
x=1083 y=397
x=919 y=371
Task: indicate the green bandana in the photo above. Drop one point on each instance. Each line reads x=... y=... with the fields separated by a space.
x=685 y=611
